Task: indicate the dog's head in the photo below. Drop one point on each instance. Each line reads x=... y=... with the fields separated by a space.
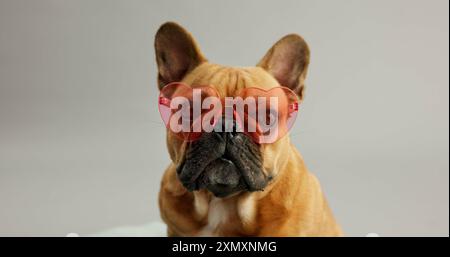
x=226 y=163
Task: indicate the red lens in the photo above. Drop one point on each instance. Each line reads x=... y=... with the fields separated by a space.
x=274 y=115
x=182 y=108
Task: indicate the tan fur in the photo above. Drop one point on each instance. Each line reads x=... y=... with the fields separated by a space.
x=291 y=205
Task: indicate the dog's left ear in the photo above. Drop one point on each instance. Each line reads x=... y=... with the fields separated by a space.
x=288 y=61
x=176 y=52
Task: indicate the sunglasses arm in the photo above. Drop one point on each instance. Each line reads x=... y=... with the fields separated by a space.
x=164 y=101
x=293 y=107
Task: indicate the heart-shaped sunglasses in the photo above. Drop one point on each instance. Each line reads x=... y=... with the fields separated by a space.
x=264 y=115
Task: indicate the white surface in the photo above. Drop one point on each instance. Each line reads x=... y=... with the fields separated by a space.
x=153 y=229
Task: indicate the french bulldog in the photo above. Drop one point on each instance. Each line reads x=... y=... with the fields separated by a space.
x=225 y=183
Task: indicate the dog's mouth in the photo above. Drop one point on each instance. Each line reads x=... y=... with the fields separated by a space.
x=222 y=178
x=222 y=163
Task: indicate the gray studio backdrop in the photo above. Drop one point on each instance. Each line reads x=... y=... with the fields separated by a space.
x=82 y=146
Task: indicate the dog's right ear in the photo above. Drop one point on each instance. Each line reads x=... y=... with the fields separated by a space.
x=177 y=53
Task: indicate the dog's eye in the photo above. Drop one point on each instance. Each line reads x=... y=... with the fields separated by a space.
x=186 y=115
x=271 y=115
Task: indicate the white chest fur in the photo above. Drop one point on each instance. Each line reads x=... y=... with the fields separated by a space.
x=221 y=211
